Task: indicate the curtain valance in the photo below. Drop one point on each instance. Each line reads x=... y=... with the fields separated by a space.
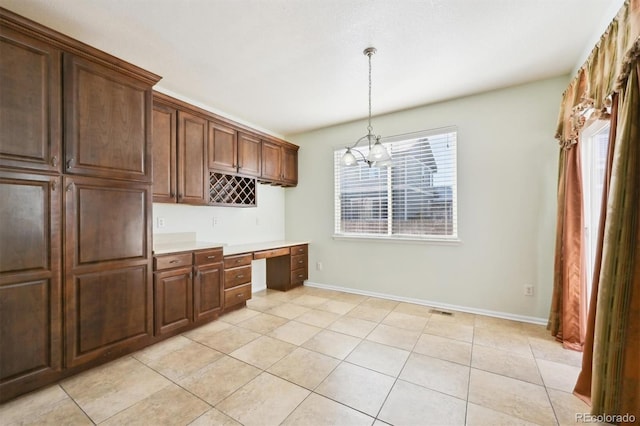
x=604 y=72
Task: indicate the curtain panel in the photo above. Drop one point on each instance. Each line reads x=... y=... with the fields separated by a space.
x=610 y=376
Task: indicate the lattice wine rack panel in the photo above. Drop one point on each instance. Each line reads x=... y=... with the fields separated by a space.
x=235 y=190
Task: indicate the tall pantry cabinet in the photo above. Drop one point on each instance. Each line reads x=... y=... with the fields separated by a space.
x=75 y=206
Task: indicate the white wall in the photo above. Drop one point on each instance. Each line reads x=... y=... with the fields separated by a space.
x=234 y=225
x=507 y=171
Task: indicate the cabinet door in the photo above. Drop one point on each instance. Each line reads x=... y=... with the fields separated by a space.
x=30 y=294
x=164 y=153
x=249 y=155
x=29 y=102
x=107 y=119
x=108 y=283
x=290 y=166
x=207 y=292
x=271 y=161
x=223 y=148
x=193 y=177
x=173 y=300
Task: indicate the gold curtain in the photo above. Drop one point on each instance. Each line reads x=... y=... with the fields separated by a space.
x=610 y=376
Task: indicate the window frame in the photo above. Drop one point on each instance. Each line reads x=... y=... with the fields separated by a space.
x=452 y=239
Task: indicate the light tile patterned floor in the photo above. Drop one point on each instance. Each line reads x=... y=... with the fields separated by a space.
x=314 y=357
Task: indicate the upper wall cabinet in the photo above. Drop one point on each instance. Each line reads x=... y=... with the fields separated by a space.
x=193 y=178
x=223 y=148
x=108 y=114
x=249 y=155
x=164 y=150
x=29 y=102
x=279 y=163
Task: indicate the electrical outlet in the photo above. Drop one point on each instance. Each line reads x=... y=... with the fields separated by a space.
x=528 y=290
x=318 y=266
x=214 y=221
x=161 y=222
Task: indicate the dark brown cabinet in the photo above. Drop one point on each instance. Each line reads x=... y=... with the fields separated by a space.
x=173 y=292
x=193 y=177
x=107 y=122
x=223 y=148
x=249 y=155
x=29 y=102
x=208 y=290
x=108 y=286
x=164 y=150
x=237 y=280
x=187 y=288
x=30 y=292
x=231 y=151
x=279 y=163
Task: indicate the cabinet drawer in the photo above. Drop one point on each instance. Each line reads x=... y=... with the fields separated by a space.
x=298 y=276
x=237 y=295
x=237 y=276
x=299 y=261
x=271 y=253
x=171 y=261
x=207 y=257
x=301 y=249
x=239 y=260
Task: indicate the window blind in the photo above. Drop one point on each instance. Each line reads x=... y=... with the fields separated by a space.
x=413 y=198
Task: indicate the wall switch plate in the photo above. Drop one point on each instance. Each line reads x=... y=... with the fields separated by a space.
x=528 y=290
x=161 y=222
x=319 y=266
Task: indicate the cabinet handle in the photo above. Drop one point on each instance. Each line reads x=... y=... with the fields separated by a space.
x=172 y=195
x=197 y=272
x=54 y=161
x=240 y=276
x=211 y=257
x=239 y=295
x=300 y=262
x=70 y=163
x=174 y=261
x=300 y=276
x=239 y=260
x=54 y=185
x=69 y=187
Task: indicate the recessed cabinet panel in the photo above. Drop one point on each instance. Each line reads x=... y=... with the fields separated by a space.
x=222 y=148
x=107 y=122
x=173 y=300
x=208 y=291
x=29 y=102
x=193 y=179
x=249 y=155
x=25 y=222
x=271 y=161
x=290 y=165
x=105 y=309
x=25 y=327
x=164 y=154
x=106 y=221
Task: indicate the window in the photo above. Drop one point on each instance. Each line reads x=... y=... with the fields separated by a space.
x=594 y=146
x=414 y=198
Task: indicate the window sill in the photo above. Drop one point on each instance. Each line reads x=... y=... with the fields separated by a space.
x=397 y=239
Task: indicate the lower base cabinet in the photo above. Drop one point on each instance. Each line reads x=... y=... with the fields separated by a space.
x=188 y=290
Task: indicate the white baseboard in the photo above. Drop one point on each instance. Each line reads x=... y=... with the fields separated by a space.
x=496 y=314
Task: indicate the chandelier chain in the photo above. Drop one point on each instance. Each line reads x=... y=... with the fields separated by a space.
x=369 y=127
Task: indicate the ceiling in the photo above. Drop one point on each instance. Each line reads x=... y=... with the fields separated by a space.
x=289 y=66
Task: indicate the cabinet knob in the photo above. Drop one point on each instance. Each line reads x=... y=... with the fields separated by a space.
x=70 y=163
x=69 y=187
x=172 y=195
x=54 y=161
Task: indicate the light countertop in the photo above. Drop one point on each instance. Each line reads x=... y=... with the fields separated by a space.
x=182 y=246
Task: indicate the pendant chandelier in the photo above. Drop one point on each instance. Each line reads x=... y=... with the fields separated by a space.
x=378 y=155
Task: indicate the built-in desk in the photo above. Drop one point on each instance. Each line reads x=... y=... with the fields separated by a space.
x=286 y=262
